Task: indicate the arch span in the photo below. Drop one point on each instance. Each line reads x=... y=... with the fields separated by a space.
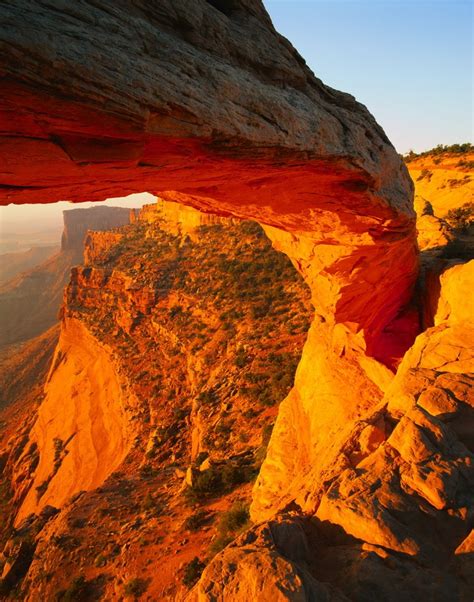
x=206 y=104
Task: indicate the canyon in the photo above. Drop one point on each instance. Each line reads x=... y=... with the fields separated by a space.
x=367 y=484
x=179 y=336
x=30 y=301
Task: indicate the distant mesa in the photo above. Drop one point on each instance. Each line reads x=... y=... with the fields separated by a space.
x=30 y=302
x=78 y=221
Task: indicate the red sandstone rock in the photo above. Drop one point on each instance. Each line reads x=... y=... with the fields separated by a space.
x=227 y=118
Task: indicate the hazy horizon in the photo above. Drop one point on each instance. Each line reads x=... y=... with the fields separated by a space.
x=25 y=226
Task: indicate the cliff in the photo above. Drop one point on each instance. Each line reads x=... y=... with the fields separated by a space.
x=30 y=302
x=78 y=221
x=165 y=384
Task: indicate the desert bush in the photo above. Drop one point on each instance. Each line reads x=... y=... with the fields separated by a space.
x=461 y=218
x=192 y=572
x=231 y=523
x=218 y=480
x=135 y=588
x=465 y=164
x=79 y=590
x=440 y=149
x=425 y=173
x=197 y=520
x=205 y=485
x=208 y=396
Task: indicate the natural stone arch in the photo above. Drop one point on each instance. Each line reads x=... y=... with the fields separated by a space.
x=104 y=99
x=214 y=104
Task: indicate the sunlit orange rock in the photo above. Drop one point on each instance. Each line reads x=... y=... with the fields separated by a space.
x=207 y=105
x=81 y=431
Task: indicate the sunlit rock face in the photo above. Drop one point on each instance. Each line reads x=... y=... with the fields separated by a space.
x=222 y=109
x=207 y=105
x=82 y=432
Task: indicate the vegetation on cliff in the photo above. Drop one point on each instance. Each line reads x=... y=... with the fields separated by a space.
x=204 y=330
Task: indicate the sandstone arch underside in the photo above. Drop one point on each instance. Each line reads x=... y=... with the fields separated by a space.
x=204 y=103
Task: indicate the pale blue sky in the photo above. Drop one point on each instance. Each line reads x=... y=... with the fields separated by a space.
x=409 y=61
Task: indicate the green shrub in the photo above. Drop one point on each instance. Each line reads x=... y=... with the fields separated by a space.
x=218 y=480
x=192 y=572
x=205 y=485
x=425 y=173
x=209 y=396
x=461 y=218
x=234 y=519
x=79 y=590
x=135 y=588
x=453 y=149
x=231 y=523
x=197 y=520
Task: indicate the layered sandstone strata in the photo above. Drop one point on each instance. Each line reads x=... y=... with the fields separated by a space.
x=79 y=221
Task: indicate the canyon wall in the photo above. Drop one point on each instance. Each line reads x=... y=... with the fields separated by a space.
x=81 y=432
x=30 y=302
x=78 y=221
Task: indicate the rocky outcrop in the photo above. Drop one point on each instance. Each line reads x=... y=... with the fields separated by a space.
x=445 y=180
x=29 y=303
x=179 y=219
x=222 y=114
x=98 y=244
x=434 y=232
x=269 y=562
x=77 y=222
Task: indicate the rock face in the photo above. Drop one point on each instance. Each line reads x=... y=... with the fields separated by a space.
x=178 y=219
x=179 y=338
x=446 y=181
x=78 y=221
x=208 y=104
x=82 y=441
x=30 y=302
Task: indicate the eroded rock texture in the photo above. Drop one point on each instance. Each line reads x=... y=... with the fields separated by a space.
x=99 y=101
x=206 y=103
